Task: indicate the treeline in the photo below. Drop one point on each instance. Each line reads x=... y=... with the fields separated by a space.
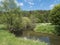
x=42 y=16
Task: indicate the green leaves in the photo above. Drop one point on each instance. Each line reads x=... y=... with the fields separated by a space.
x=55 y=15
x=45 y=28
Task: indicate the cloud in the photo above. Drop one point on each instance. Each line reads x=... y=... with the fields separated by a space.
x=51 y=6
x=31 y=3
x=19 y=4
x=16 y=2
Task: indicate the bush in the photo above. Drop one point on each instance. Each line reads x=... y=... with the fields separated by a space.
x=45 y=28
x=27 y=24
x=13 y=21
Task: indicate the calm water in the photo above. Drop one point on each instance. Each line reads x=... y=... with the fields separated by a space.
x=50 y=39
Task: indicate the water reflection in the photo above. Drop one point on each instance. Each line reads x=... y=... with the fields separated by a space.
x=41 y=39
x=47 y=38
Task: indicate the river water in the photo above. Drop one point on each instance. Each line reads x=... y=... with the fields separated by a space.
x=47 y=38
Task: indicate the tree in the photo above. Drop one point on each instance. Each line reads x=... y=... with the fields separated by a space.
x=9 y=5
x=12 y=16
x=26 y=23
x=55 y=14
x=55 y=18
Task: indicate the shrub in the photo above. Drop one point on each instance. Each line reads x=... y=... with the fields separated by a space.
x=27 y=24
x=45 y=28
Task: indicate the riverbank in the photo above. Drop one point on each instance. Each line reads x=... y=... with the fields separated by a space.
x=7 y=38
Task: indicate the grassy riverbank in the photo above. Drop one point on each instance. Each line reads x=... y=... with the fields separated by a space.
x=7 y=38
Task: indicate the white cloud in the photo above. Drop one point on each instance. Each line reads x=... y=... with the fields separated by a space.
x=21 y=4
x=16 y=2
x=51 y=6
x=31 y=3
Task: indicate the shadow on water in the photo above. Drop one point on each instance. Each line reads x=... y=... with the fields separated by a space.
x=43 y=37
x=57 y=29
x=55 y=40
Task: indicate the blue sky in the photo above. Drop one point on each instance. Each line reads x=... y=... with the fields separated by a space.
x=37 y=4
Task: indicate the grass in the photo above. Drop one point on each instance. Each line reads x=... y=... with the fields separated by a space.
x=7 y=38
x=45 y=28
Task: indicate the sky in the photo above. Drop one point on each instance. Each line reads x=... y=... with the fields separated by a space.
x=36 y=4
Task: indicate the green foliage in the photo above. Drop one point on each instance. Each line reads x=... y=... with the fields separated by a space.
x=45 y=28
x=14 y=19
x=55 y=15
x=3 y=26
x=8 y=5
x=7 y=38
x=26 y=23
x=39 y=16
x=55 y=18
x=57 y=28
x=11 y=15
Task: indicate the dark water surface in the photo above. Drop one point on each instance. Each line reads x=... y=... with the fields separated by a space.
x=47 y=38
